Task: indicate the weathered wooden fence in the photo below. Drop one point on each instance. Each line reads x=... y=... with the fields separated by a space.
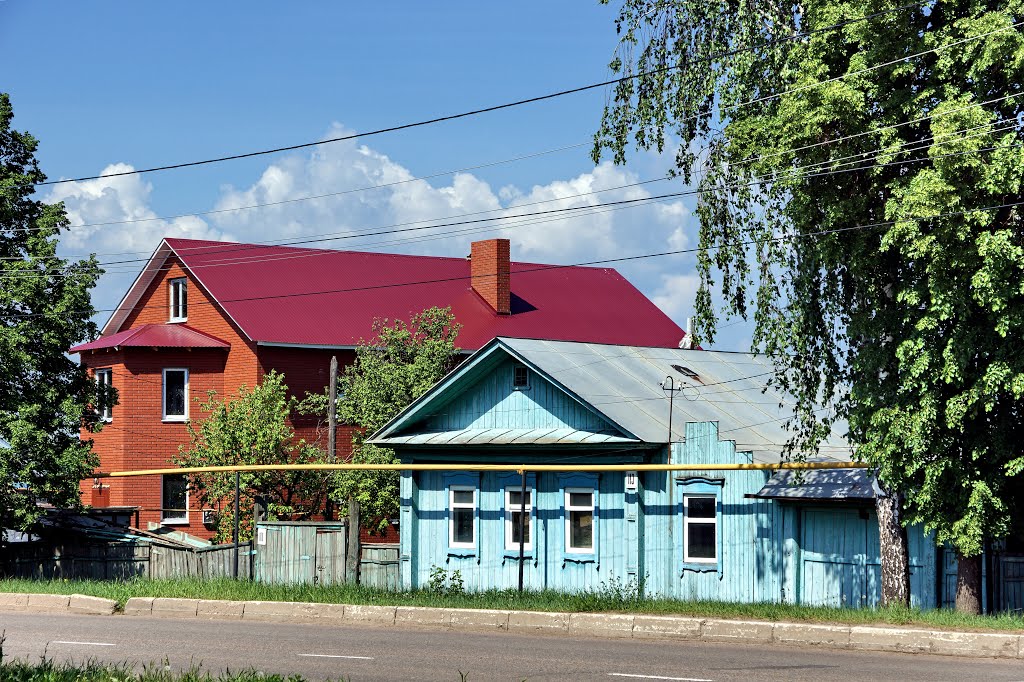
x=204 y=563
x=314 y=553
x=1009 y=583
x=56 y=561
x=378 y=567
x=294 y=552
x=122 y=560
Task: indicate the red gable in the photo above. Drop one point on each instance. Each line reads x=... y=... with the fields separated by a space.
x=281 y=295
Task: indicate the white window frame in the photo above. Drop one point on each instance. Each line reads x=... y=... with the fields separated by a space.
x=105 y=413
x=687 y=521
x=174 y=302
x=452 y=506
x=163 y=396
x=592 y=508
x=173 y=520
x=511 y=509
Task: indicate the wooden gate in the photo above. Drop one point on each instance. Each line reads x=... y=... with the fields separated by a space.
x=841 y=564
x=1009 y=584
x=379 y=567
x=296 y=553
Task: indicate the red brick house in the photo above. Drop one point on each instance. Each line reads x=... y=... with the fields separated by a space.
x=213 y=315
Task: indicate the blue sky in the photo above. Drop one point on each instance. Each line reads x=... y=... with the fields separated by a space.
x=114 y=85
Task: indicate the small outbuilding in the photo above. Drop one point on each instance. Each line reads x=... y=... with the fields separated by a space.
x=732 y=535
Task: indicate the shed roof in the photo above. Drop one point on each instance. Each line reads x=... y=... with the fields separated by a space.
x=623 y=384
x=155 y=336
x=821 y=485
x=279 y=295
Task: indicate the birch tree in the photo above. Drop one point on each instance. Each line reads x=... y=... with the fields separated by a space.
x=859 y=168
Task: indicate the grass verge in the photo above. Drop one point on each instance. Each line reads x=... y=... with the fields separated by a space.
x=613 y=597
x=49 y=671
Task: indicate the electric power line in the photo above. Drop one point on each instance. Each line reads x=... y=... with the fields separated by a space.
x=498 y=107
x=310 y=238
x=542 y=268
x=585 y=210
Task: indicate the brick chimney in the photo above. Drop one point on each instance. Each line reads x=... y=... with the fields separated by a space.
x=489 y=273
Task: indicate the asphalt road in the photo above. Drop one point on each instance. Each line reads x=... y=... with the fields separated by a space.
x=323 y=652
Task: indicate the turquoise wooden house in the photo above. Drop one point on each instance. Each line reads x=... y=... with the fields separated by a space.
x=749 y=535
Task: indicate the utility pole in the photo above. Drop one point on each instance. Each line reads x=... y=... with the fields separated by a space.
x=670 y=388
x=522 y=528
x=332 y=429
x=332 y=413
x=235 y=534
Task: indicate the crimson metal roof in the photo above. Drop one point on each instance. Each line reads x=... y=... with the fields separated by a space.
x=155 y=336
x=286 y=295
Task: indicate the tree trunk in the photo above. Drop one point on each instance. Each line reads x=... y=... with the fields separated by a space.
x=892 y=542
x=968 y=584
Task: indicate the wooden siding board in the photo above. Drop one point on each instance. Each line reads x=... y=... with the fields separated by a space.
x=492 y=403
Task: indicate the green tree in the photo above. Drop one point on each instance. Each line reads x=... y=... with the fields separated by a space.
x=252 y=428
x=854 y=152
x=45 y=309
x=397 y=365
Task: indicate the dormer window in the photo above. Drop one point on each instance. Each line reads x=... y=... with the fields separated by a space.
x=179 y=299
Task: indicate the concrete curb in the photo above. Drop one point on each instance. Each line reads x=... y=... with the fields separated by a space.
x=639 y=626
x=80 y=603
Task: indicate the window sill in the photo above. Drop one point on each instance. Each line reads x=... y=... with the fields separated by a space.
x=700 y=566
x=177 y=320
x=579 y=558
x=174 y=522
x=461 y=552
x=514 y=554
x=174 y=420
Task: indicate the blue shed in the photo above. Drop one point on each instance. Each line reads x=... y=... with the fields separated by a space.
x=732 y=535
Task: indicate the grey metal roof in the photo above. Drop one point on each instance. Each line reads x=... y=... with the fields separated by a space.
x=506 y=437
x=821 y=484
x=623 y=383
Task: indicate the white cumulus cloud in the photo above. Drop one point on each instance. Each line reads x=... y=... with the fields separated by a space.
x=343 y=190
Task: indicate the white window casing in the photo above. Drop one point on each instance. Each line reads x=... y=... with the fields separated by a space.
x=178 y=296
x=174 y=499
x=580 y=522
x=174 y=394
x=104 y=380
x=462 y=504
x=700 y=529
x=513 y=508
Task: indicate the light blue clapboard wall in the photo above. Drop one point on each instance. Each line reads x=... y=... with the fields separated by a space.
x=491 y=403
x=752 y=532
x=768 y=551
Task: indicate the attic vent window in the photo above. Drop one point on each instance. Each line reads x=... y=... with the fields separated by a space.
x=686 y=372
x=520 y=377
